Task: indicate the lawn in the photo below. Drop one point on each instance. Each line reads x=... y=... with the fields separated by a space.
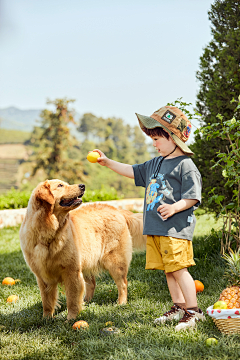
x=25 y=335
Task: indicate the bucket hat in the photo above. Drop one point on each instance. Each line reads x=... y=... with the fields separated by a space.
x=172 y=120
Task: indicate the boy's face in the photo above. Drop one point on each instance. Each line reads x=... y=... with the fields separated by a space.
x=163 y=145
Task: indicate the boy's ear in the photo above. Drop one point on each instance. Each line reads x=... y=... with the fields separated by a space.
x=44 y=193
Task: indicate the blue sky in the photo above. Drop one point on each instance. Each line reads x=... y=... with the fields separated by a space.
x=114 y=57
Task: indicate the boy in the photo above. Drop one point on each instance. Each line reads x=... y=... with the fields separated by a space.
x=173 y=192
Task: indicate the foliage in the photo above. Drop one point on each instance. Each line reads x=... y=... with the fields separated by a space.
x=233 y=267
x=228 y=161
x=101 y=195
x=13 y=136
x=192 y=113
x=53 y=145
x=119 y=142
x=219 y=77
x=14 y=199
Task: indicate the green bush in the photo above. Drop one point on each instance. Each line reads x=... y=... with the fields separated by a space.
x=15 y=199
x=101 y=195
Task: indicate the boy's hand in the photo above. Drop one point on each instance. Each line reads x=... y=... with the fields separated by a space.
x=166 y=210
x=103 y=158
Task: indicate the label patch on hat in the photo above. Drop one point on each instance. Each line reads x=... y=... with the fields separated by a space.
x=168 y=116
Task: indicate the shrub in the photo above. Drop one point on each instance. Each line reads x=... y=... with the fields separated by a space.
x=15 y=199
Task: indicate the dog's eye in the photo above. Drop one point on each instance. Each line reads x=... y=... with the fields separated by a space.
x=60 y=185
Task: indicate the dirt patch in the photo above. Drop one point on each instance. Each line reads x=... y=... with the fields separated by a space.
x=13 y=151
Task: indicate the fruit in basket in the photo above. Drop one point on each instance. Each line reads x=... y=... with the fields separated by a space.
x=231 y=295
x=220 y=305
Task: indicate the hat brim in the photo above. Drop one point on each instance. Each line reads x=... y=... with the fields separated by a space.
x=151 y=123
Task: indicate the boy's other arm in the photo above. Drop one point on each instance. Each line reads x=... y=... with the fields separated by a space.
x=168 y=210
x=120 y=168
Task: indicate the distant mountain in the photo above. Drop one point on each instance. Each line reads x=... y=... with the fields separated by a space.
x=13 y=118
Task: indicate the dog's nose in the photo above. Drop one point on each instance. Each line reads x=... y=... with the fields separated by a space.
x=81 y=186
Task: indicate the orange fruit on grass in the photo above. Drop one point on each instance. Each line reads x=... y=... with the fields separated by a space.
x=81 y=324
x=199 y=286
x=8 y=281
x=12 y=298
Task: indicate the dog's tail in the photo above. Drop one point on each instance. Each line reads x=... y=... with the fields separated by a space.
x=135 y=225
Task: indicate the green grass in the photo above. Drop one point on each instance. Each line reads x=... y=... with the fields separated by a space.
x=25 y=335
x=13 y=136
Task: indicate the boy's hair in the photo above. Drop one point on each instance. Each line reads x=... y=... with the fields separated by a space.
x=157 y=131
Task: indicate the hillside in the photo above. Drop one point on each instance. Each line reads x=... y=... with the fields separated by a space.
x=10 y=157
x=12 y=118
x=13 y=136
x=16 y=119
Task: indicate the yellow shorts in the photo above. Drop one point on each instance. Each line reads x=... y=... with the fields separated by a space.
x=168 y=253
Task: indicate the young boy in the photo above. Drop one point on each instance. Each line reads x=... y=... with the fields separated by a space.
x=173 y=192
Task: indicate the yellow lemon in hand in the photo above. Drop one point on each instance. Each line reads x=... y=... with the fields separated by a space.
x=93 y=156
x=220 y=305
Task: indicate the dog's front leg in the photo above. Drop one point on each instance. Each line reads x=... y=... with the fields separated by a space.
x=75 y=287
x=49 y=297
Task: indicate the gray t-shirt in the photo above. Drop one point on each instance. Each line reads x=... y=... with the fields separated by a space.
x=178 y=179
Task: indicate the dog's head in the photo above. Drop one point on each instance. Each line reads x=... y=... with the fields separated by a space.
x=58 y=195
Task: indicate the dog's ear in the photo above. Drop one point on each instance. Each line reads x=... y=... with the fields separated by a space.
x=44 y=193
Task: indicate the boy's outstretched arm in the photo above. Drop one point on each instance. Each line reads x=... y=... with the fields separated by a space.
x=122 y=169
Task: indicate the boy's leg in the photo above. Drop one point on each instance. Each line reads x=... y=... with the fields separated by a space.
x=188 y=290
x=177 y=310
x=185 y=291
x=174 y=289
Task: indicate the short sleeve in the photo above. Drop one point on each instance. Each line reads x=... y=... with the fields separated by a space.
x=191 y=186
x=139 y=174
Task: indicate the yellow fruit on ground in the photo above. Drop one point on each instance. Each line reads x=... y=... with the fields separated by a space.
x=8 y=281
x=12 y=298
x=211 y=341
x=81 y=324
x=109 y=323
x=93 y=156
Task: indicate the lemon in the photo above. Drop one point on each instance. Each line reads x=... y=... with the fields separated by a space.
x=220 y=305
x=211 y=341
x=93 y=156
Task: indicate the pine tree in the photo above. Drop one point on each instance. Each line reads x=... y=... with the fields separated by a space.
x=53 y=145
x=219 y=78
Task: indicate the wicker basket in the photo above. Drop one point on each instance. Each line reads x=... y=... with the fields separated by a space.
x=228 y=326
x=227 y=321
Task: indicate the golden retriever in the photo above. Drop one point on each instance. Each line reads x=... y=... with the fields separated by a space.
x=63 y=243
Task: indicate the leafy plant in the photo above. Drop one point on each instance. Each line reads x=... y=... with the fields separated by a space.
x=218 y=78
x=229 y=162
x=15 y=199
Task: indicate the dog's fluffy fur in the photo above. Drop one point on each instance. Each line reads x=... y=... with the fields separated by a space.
x=63 y=243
